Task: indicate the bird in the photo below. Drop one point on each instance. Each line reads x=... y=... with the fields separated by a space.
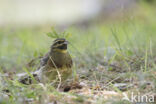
x=55 y=66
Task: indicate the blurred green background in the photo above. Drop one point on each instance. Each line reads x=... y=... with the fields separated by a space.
x=97 y=27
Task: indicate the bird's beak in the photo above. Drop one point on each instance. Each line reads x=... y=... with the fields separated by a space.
x=66 y=42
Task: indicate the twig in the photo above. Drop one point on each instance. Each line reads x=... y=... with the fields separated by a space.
x=59 y=75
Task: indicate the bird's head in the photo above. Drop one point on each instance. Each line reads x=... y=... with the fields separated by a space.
x=59 y=45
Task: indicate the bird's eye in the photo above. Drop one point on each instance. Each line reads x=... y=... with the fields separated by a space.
x=59 y=42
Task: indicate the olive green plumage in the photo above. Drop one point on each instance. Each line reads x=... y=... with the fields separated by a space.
x=56 y=65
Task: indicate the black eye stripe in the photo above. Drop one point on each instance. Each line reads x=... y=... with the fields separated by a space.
x=60 y=42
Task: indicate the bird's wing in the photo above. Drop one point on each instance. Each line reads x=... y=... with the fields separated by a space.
x=44 y=60
x=70 y=62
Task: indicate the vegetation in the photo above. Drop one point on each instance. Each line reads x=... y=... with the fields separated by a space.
x=109 y=60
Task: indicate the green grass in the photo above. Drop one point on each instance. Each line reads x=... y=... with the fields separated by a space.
x=114 y=52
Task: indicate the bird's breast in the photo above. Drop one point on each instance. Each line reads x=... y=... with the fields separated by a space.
x=60 y=60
